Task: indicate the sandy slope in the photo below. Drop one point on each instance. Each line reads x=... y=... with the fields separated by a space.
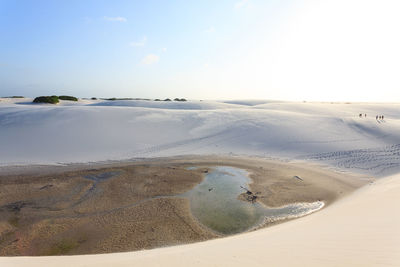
x=360 y=230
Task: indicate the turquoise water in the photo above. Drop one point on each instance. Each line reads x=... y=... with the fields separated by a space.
x=215 y=204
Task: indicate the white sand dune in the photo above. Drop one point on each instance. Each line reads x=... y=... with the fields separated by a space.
x=360 y=230
x=81 y=132
x=184 y=105
x=249 y=102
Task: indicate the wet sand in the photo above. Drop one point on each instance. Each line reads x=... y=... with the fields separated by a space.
x=65 y=210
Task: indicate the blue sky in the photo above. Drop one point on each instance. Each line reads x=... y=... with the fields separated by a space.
x=228 y=49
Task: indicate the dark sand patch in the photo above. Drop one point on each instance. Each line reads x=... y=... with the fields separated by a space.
x=77 y=209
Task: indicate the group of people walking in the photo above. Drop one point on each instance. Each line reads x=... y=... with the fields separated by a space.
x=378 y=117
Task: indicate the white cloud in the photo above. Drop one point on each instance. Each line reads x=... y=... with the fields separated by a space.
x=150 y=59
x=209 y=30
x=164 y=49
x=142 y=42
x=119 y=19
x=241 y=4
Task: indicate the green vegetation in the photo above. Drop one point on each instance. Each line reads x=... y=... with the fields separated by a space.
x=94 y=98
x=180 y=99
x=67 y=97
x=14 y=96
x=167 y=99
x=46 y=99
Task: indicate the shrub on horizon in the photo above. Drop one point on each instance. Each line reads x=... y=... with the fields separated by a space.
x=167 y=99
x=46 y=99
x=67 y=97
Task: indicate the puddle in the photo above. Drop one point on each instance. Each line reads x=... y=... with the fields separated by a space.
x=101 y=176
x=214 y=202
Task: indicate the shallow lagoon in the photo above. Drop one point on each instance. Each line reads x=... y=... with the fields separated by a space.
x=214 y=202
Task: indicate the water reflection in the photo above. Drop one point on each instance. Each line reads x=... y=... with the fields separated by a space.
x=214 y=202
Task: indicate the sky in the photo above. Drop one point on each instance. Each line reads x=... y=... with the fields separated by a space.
x=332 y=50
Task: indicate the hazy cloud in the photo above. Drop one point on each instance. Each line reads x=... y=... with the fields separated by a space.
x=142 y=42
x=164 y=49
x=241 y=4
x=150 y=59
x=209 y=30
x=118 y=19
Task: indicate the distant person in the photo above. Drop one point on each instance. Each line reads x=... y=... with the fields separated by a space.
x=365 y=115
x=376 y=117
x=360 y=115
x=383 y=117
